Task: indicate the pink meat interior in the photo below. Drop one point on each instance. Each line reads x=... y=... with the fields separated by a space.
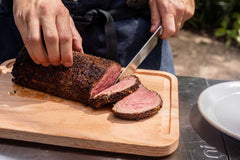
x=120 y=86
x=107 y=80
x=139 y=101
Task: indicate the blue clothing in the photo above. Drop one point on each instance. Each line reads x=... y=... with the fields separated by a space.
x=132 y=33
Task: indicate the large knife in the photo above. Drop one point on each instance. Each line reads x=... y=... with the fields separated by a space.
x=141 y=55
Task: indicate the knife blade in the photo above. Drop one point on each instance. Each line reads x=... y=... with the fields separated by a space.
x=141 y=55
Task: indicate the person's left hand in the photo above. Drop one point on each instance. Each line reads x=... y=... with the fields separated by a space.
x=171 y=14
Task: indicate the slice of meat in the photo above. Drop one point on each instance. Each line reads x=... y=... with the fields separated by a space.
x=138 y=105
x=88 y=76
x=116 y=92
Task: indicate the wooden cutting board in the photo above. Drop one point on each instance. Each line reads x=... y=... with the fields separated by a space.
x=34 y=116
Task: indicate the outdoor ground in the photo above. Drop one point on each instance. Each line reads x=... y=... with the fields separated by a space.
x=198 y=56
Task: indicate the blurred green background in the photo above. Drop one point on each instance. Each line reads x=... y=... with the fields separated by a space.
x=217 y=18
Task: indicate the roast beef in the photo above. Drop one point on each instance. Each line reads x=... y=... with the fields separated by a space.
x=116 y=92
x=88 y=76
x=140 y=104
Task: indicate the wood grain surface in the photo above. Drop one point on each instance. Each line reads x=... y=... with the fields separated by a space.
x=34 y=116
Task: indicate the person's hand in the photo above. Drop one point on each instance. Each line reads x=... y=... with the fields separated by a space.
x=51 y=19
x=171 y=14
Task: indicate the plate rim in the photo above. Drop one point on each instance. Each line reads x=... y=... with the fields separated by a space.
x=211 y=121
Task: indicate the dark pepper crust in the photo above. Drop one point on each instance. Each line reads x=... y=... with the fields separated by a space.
x=138 y=116
x=74 y=83
x=103 y=99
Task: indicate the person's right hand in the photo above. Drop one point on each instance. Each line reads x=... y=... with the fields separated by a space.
x=171 y=14
x=51 y=18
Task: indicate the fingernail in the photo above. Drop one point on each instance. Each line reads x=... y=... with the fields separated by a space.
x=55 y=64
x=81 y=50
x=37 y=62
x=45 y=64
x=153 y=28
x=67 y=64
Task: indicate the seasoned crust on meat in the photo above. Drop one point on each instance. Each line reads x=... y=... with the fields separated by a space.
x=87 y=76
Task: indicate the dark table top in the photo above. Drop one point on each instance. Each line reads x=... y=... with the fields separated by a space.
x=198 y=139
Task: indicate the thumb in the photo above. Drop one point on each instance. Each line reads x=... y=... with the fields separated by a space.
x=155 y=17
x=77 y=39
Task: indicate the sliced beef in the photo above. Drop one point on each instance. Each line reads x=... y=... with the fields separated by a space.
x=88 y=76
x=116 y=92
x=140 y=104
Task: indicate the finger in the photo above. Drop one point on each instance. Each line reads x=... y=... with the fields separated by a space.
x=189 y=10
x=179 y=17
x=65 y=39
x=155 y=16
x=178 y=26
x=50 y=35
x=77 y=39
x=22 y=27
x=168 y=20
x=34 y=43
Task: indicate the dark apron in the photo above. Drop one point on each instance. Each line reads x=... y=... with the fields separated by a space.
x=131 y=34
x=10 y=39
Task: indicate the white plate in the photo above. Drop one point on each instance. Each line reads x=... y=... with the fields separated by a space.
x=220 y=106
